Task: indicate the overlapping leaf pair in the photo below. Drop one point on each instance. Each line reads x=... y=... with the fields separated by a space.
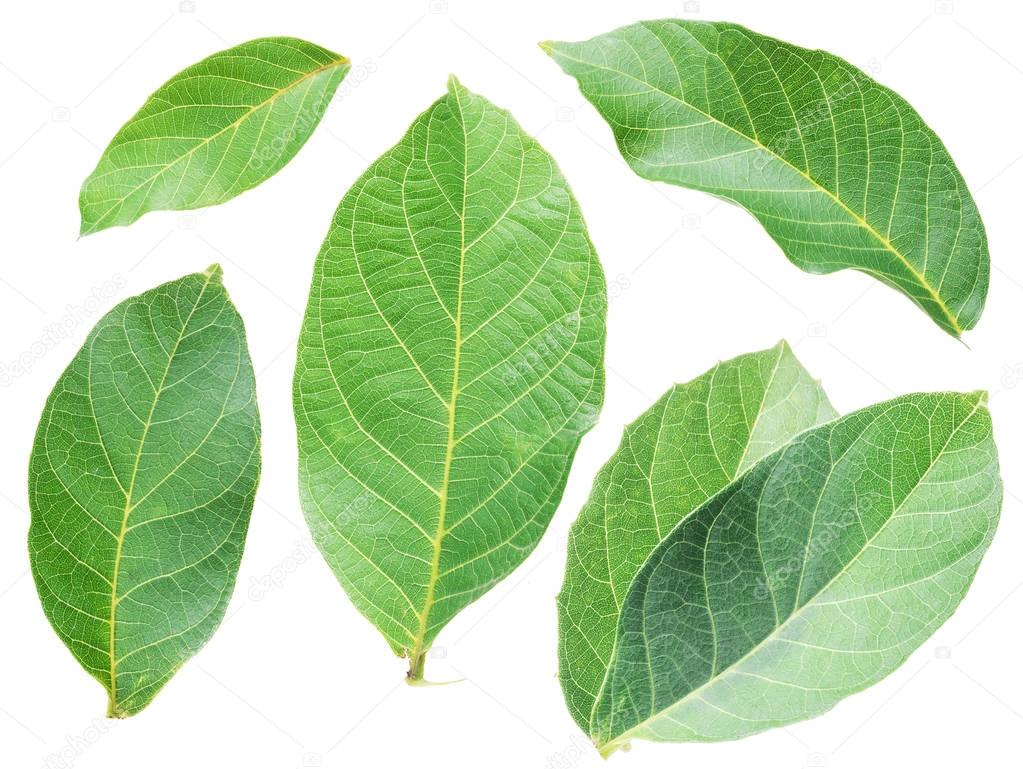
x=747 y=558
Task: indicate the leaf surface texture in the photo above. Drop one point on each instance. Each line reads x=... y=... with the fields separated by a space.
x=450 y=360
x=698 y=438
x=212 y=131
x=841 y=171
x=808 y=575
x=141 y=484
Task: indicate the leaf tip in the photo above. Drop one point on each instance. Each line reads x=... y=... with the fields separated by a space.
x=547 y=46
x=213 y=272
x=454 y=84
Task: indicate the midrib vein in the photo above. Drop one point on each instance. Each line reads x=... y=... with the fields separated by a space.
x=415 y=664
x=340 y=61
x=114 y=598
x=859 y=220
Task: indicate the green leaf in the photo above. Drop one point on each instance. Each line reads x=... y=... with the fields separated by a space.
x=451 y=358
x=141 y=483
x=694 y=441
x=212 y=131
x=840 y=171
x=810 y=576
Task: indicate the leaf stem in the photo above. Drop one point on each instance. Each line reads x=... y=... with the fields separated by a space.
x=416 y=667
x=610 y=748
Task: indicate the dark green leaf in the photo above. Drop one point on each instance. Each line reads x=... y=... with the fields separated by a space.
x=766 y=600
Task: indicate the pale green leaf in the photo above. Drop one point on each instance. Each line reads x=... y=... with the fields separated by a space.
x=212 y=131
x=451 y=359
x=141 y=484
x=810 y=576
x=841 y=171
x=689 y=445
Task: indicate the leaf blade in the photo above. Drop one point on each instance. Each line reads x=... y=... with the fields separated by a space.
x=845 y=550
x=457 y=296
x=213 y=131
x=141 y=482
x=694 y=441
x=719 y=108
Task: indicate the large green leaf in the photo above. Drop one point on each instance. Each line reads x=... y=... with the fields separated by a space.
x=839 y=170
x=688 y=446
x=212 y=131
x=810 y=576
x=451 y=359
x=141 y=484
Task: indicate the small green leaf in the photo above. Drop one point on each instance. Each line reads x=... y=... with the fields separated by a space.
x=141 y=483
x=451 y=359
x=212 y=131
x=841 y=171
x=810 y=576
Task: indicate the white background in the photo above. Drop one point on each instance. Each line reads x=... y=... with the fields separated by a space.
x=295 y=677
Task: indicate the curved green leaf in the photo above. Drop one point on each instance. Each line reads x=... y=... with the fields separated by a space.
x=695 y=440
x=212 y=131
x=451 y=359
x=141 y=484
x=841 y=171
x=810 y=576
